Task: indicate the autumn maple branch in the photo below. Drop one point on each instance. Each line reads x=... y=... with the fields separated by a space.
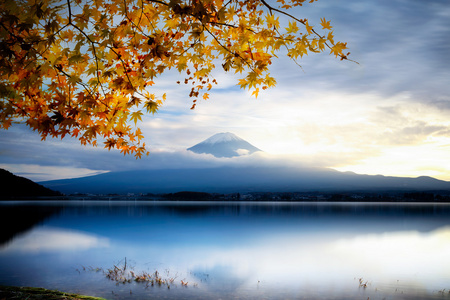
x=92 y=44
x=271 y=8
x=227 y=49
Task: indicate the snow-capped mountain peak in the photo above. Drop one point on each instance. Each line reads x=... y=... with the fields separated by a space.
x=224 y=145
x=222 y=138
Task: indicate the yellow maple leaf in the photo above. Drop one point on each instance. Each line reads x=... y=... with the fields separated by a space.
x=325 y=24
x=136 y=116
x=293 y=28
x=255 y=92
x=338 y=48
x=309 y=28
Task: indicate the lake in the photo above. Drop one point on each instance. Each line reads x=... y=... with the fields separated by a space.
x=228 y=250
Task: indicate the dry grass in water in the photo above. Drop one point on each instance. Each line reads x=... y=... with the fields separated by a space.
x=125 y=274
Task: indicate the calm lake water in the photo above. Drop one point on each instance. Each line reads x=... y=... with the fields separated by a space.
x=229 y=250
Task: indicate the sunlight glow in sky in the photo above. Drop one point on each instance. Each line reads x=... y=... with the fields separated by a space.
x=389 y=114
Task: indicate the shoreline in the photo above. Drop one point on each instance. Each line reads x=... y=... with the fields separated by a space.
x=34 y=293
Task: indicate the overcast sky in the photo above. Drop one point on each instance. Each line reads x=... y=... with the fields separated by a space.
x=389 y=114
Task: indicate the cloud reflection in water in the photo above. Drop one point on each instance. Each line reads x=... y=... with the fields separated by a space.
x=415 y=258
x=46 y=239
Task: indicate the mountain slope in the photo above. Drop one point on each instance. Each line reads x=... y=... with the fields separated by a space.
x=241 y=179
x=16 y=186
x=224 y=145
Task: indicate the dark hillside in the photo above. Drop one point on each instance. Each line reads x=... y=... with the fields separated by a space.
x=12 y=187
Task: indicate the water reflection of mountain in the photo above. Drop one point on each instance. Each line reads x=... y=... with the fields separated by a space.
x=256 y=210
x=265 y=208
x=17 y=219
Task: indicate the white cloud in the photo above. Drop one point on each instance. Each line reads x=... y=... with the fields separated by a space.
x=43 y=173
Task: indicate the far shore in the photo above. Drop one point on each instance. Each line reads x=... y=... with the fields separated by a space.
x=353 y=196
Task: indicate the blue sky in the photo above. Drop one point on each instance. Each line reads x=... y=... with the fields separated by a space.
x=389 y=114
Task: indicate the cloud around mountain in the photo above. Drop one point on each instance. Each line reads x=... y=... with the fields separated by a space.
x=224 y=145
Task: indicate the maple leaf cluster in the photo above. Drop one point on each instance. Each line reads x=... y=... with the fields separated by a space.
x=86 y=68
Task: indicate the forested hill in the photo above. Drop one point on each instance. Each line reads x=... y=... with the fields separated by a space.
x=12 y=187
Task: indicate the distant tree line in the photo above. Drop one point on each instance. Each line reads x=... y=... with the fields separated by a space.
x=441 y=196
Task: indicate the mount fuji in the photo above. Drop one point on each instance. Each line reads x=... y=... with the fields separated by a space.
x=255 y=174
x=224 y=145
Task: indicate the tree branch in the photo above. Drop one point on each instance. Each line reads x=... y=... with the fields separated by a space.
x=93 y=48
x=304 y=23
x=226 y=48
